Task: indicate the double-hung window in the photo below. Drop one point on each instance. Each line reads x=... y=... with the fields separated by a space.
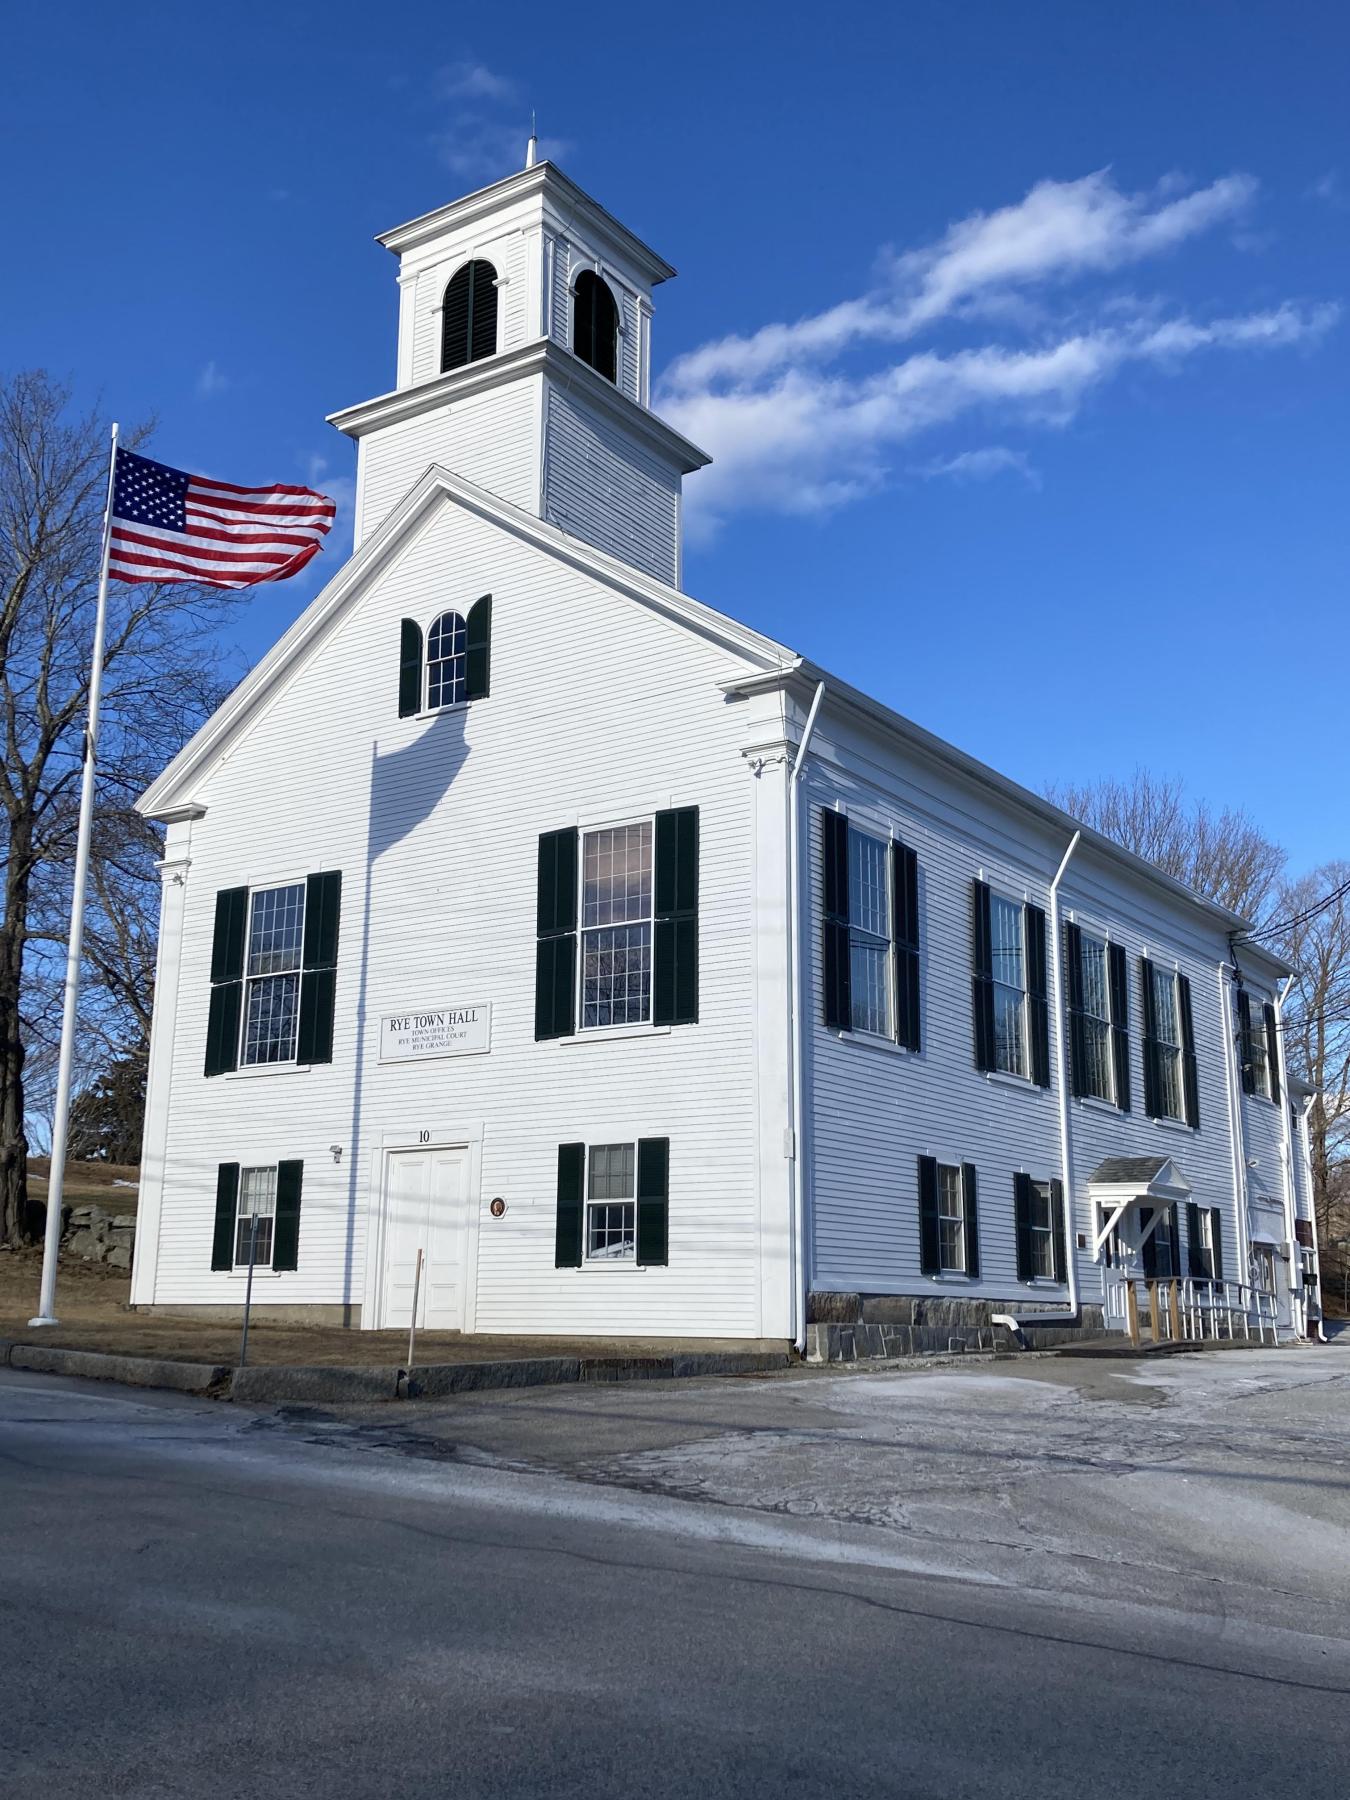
x=869 y=932
x=616 y=926
x=446 y=662
x=951 y=1219
x=1096 y=991
x=1041 y=1231
x=1007 y=920
x=276 y=932
x=611 y=1203
x=1168 y=1040
x=257 y=1211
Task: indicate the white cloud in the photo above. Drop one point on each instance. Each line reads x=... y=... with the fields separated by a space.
x=481 y=143
x=1060 y=229
x=470 y=80
x=805 y=442
x=789 y=433
x=981 y=465
x=211 y=382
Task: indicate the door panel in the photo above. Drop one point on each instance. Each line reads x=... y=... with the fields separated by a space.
x=424 y=1209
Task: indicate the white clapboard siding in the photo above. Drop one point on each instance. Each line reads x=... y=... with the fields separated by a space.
x=599 y=710
x=490 y=438
x=601 y=486
x=876 y=1109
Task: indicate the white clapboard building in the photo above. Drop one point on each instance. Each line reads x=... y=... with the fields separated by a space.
x=521 y=910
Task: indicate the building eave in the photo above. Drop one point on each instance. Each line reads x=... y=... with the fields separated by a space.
x=546 y=178
x=850 y=700
x=543 y=356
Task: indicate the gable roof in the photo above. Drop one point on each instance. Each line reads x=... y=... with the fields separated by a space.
x=172 y=789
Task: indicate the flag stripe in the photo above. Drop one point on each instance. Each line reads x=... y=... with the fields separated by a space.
x=171 y=526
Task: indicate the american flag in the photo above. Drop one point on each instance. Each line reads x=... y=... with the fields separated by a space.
x=168 y=525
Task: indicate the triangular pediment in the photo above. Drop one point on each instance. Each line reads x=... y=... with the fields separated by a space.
x=175 y=788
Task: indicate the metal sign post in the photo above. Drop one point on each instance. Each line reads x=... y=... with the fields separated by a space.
x=412 y=1328
x=248 y=1289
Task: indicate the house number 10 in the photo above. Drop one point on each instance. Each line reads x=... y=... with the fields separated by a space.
x=424 y=1137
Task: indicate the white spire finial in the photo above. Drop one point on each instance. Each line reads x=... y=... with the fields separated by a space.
x=532 y=148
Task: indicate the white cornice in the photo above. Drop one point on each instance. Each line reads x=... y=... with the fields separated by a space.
x=800 y=681
x=171 y=795
x=547 y=181
x=542 y=357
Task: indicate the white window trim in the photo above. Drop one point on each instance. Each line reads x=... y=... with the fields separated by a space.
x=1021 y=902
x=862 y=1034
x=1173 y=974
x=287 y=1063
x=1256 y=1013
x=259 y=1268
x=427 y=710
x=948 y=1271
x=1087 y=933
x=607 y=1262
x=1046 y=1232
x=629 y=1027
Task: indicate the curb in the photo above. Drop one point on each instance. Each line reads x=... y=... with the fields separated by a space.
x=280 y=1382
x=131 y=1371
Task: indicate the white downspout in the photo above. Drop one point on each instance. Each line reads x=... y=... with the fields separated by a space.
x=1237 y=1123
x=1298 y=1311
x=1056 y=956
x=797 y=1009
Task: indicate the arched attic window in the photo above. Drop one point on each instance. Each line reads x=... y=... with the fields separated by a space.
x=595 y=325
x=457 y=664
x=469 y=316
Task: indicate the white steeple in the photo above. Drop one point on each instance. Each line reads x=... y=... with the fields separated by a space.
x=524 y=359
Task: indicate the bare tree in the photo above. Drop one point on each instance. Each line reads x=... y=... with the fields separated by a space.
x=1312 y=931
x=1224 y=856
x=158 y=683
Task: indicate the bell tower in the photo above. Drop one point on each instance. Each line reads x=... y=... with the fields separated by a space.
x=524 y=365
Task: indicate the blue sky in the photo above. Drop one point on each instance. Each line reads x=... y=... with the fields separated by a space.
x=1049 y=449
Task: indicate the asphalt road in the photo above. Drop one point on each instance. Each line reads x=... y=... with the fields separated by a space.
x=199 y=1600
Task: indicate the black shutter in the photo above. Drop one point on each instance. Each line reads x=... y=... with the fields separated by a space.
x=1149 y=1252
x=318 y=980
x=571 y=1178
x=905 y=932
x=1026 y=1243
x=478 y=649
x=1216 y=1242
x=227 y=1202
x=227 y=983
x=1195 y=1244
x=455 y=346
x=653 y=1200
x=971 y=1208
x=930 y=1244
x=675 y=931
x=482 y=311
x=1120 y=1023
x=982 y=967
x=1073 y=992
x=1244 y=1010
x=1174 y=1247
x=286 y=1230
x=409 y=668
x=1148 y=1015
x=1189 y=1067
x=555 y=966
x=1057 y=1229
x=1038 y=1002
x=1272 y=1051
x=835 y=958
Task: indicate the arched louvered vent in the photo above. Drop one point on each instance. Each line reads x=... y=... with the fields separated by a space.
x=469 y=316
x=595 y=325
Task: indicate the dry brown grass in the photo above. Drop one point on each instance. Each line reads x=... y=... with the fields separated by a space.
x=92 y=1305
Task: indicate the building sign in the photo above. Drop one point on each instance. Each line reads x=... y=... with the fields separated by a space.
x=435 y=1031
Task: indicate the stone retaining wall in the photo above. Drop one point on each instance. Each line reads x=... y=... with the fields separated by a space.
x=845 y=1327
x=98 y=1236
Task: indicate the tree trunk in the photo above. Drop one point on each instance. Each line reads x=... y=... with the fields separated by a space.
x=17 y=1223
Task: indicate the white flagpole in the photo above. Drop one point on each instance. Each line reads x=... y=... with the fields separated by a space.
x=56 y=1179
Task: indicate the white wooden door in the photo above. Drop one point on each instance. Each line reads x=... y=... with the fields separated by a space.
x=424 y=1208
